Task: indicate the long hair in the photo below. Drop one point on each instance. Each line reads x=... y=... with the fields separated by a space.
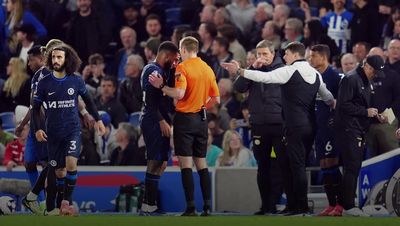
x=15 y=16
x=50 y=44
x=17 y=77
x=72 y=61
x=228 y=152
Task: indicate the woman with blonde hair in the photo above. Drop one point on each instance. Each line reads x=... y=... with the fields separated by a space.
x=16 y=16
x=16 y=88
x=234 y=153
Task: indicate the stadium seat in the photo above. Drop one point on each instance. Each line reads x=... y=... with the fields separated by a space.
x=8 y=120
x=134 y=118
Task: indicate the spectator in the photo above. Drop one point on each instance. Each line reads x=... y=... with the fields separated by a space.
x=130 y=91
x=108 y=102
x=16 y=90
x=242 y=13
x=127 y=153
x=128 y=38
x=14 y=153
x=133 y=20
x=153 y=28
x=178 y=32
x=293 y=31
x=5 y=137
x=17 y=15
x=348 y=62
x=25 y=38
x=360 y=51
x=88 y=31
x=388 y=28
x=216 y=131
x=263 y=13
x=207 y=14
x=221 y=17
x=207 y=32
x=338 y=24
x=107 y=143
x=365 y=21
x=229 y=32
x=150 y=7
x=234 y=153
x=251 y=57
x=220 y=54
x=150 y=49
x=212 y=151
x=228 y=99
x=280 y=15
x=94 y=71
x=393 y=60
x=271 y=32
x=314 y=33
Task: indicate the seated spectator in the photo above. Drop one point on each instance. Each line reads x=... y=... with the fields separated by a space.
x=242 y=126
x=221 y=54
x=25 y=38
x=242 y=13
x=271 y=32
x=178 y=32
x=149 y=7
x=128 y=38
x=130 y=91
x=234 y=153
x=107 y=143
x=263 y=13
x=293 y=31
x=16 y=90
x=17 y=16
x=228 y=99
x=207 y=32
x=216 y=131
x=94 y=71
x=154 y=28
x=251 y=58
x=280 y=15
x=221 y=17
x=151 y=48
x=213 y=151
x=127 y=152
x=229 y=32
x=5 y=137
x=207 y=14
x=348 y=62
x=360 y=51
x=108 y=102
x=14 y=153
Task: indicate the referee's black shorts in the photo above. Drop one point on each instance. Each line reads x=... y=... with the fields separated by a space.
x=190 y=135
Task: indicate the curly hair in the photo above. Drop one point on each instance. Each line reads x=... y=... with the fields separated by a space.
x=72 y=60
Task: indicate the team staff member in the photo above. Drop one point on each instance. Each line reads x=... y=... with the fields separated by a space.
x=300 y=84
x=352 y=120
x=327 y=154
x=156 y=123
x=265 y=108
x=195 y=90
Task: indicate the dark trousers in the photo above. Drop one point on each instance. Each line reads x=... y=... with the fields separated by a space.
x=264 y=137
x=298 y=144
x=352 y=148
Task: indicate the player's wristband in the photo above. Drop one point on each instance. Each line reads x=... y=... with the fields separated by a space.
x=84 y=112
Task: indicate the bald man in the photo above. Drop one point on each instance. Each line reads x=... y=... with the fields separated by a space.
x=348 y=62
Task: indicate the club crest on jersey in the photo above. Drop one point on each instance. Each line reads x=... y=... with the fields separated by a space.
x=71 y=91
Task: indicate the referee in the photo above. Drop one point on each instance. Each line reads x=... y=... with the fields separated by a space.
x=300 y=84
x=195 y=90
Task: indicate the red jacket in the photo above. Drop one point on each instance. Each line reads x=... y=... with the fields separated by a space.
x=15 y=152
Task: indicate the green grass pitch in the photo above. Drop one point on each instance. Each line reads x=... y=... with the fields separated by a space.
x=122 y=220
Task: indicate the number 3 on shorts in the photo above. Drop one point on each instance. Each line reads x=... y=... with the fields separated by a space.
x=73 y=145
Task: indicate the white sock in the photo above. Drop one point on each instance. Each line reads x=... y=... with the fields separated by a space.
x=148 y=208
x=31 y=196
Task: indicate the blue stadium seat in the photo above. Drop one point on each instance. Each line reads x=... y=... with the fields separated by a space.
x=134 y=118
x=8 y=120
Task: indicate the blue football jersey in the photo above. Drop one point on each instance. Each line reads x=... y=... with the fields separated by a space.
x=61 y=98
x=338 y=27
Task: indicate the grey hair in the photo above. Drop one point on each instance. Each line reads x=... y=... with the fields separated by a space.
x=137 y=59
x=129 y=129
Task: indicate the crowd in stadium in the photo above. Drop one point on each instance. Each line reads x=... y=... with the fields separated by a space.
x=116 y=39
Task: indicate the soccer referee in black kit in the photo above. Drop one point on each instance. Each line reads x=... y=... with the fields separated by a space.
x=352 y=118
